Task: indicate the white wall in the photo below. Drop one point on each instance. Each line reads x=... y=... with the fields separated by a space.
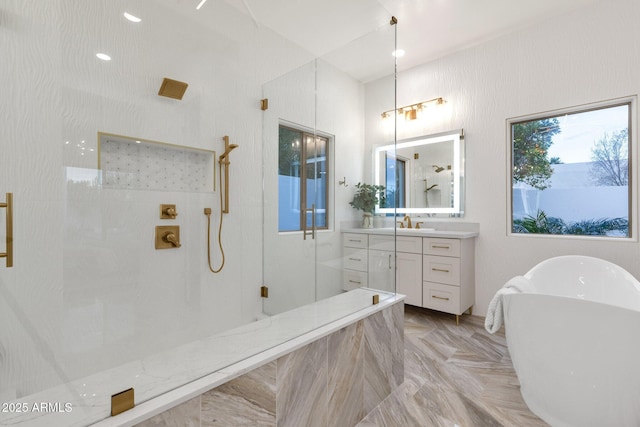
x=587 y=56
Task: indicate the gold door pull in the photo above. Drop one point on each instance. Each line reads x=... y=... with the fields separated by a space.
x=8 y=205
x=441 y=247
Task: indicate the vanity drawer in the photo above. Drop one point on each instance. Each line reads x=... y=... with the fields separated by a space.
x=442 y=247
x=355 y=259
x=355 y=240
x=441 y=297
x=382 y=242
x=441 y=269
x=409 y=244
x=352 y=279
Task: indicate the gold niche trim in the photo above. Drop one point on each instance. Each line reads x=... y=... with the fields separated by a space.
x=121 y=402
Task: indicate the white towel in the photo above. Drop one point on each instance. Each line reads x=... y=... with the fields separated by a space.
x=493 y=321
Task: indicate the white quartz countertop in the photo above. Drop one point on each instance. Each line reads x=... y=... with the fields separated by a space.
x=415 y=232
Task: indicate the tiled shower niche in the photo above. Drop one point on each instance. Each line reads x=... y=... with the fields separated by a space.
x=138 y=164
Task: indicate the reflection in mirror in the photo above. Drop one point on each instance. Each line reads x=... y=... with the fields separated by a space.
x=422 y=175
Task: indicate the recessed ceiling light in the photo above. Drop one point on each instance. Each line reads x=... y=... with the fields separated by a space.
x=399 y=53
x=103 y=56
x=131 y=17
x=200 y=4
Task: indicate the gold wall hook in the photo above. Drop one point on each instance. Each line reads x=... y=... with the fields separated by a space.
x=8 y=205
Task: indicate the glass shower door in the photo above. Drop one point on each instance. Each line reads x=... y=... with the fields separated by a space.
x=315 y=134
x=289 y=162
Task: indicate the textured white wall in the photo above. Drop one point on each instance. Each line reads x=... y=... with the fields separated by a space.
x=587 y=56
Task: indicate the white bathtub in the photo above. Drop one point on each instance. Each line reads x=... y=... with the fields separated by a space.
x=575 y=342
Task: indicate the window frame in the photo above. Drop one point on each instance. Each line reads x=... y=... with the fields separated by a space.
x=631 y=101
x=329 y=140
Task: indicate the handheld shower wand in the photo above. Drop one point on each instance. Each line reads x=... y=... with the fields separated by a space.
x=223 y=160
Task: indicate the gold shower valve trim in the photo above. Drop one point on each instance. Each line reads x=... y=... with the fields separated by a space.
x=168 y=212
x=167 y=237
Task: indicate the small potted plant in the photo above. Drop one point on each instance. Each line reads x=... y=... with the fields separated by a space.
x=365 y=199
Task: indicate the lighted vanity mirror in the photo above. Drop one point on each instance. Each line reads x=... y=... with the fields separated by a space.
x=423 y=175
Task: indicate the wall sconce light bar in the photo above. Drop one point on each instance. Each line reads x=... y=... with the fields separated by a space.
x=410 y=112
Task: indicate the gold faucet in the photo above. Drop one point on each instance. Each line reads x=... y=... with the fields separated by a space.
x=408 y=219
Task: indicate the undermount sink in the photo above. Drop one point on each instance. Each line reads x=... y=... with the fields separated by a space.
x=407 y=230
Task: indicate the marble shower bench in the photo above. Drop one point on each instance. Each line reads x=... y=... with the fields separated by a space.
x=332 y=376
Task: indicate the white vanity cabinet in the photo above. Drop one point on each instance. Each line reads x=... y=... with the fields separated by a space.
x=355 y=260
x=432 y=271
x=448 y=271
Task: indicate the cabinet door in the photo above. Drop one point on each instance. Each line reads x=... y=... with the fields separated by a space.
x=409 y=277
x=382 y=270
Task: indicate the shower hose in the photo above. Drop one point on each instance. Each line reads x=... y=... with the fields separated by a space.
x=207 y=212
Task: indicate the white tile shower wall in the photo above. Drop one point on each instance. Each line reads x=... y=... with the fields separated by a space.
x=586 y=56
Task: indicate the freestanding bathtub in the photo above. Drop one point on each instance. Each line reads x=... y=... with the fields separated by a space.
x=574 y=341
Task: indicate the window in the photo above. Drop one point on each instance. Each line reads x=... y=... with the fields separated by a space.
x=303 y=160
x=395 y=179
x=571 y=173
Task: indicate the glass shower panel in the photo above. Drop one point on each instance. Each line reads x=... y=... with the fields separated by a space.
x=345 y=110
x=289 y=183
x=324 y=102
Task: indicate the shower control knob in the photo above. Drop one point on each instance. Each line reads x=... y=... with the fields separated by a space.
x=168 y=212
x=171 y=238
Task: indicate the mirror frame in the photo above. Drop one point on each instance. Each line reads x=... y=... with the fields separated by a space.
x=457 y=138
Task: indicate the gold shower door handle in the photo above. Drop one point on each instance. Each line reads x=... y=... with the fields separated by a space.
x=305 y=233
x=8 y=205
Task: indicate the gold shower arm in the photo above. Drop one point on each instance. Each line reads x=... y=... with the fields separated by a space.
x=224 y=161
x=9 y=230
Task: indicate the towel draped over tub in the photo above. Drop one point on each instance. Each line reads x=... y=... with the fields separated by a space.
x=495 y=314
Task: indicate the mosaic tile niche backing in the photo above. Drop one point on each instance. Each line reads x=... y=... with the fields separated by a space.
x=146 y=165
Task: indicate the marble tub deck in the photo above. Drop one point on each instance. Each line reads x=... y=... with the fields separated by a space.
x=454 y=376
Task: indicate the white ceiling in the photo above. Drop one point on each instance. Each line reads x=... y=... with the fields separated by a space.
x=427 y=29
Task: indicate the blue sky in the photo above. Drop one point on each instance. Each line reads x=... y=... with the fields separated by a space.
x=579 y=132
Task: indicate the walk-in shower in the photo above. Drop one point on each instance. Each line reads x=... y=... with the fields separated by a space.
x=90 y=308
